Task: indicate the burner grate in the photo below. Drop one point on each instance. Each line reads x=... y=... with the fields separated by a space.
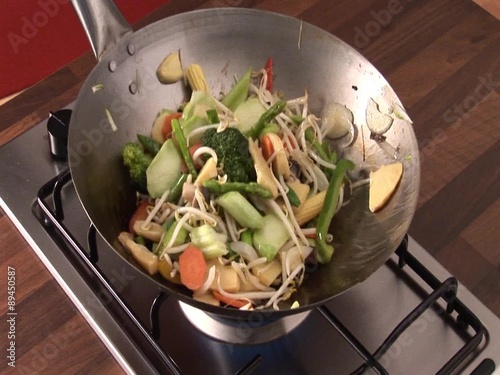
x=447 y=291
x=52 y=216
x=55 y=217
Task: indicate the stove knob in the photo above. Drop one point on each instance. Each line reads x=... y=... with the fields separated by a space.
x=57 y=128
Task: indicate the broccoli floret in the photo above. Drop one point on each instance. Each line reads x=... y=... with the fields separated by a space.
x=231 y=147
x=137 y=163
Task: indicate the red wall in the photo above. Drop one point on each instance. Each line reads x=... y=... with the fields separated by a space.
x=37 y=37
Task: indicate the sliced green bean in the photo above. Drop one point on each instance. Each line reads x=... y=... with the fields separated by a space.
x=324 y=250
x=318 y=147
x=267 y=117
x=292 y=197
x=242 y=187
x=149 y=144
x=181 y=142
x=176 y=192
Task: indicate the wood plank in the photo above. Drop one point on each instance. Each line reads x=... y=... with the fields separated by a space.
x=464 y=262
x=48 y=325
x=68 y=349
x=22 y=105
x=451 y=209
x=10 y=97
x=36 y=116
x=410 y=31
x=445 y=155
x=474 y=80
x=449 y=53
x=293 y=8
x=482 y=234
x=44 y=297
x=492 y=6
x=488 y=291
x=28 y=269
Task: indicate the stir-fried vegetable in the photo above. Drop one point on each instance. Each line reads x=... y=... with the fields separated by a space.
x=239 y=187
x=181 y=143
x=266 y=118
x=242 y=187
x=269 y=73
x=170 y=69
x=149 y=144
x=325 y=251
x=193 y=267
x=239 y=92
x=231 y=148
x=164 y=172
x=137 y=163
x=196 y=78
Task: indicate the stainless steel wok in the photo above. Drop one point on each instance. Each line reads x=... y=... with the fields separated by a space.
x=226 y=42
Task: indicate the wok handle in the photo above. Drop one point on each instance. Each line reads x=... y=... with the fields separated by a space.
x=103 y=23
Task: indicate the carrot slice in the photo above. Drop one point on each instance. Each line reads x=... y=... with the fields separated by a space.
x=238 y=303
x=141 y=213
x=267 y=146
x=192 y=267
x=166 y=129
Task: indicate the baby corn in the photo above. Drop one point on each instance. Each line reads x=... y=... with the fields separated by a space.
x=196 y=78
x=310 y=208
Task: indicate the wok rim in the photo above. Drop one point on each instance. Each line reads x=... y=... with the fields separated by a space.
x=164 y=285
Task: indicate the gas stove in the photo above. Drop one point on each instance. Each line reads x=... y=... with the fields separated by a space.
x=410 y=317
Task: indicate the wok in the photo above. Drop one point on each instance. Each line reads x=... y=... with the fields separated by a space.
x=226 y=41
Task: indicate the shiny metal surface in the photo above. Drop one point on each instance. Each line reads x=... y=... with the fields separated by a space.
x=370 y=309
x=259 y=329
x=103 y=24
x=322 y=64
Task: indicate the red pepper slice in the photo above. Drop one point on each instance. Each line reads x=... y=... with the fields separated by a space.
x=269 y=69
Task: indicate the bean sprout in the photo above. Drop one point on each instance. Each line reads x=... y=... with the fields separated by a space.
x=284 y=287
x=156 y=208
x=265 y=283
x=204 y=150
